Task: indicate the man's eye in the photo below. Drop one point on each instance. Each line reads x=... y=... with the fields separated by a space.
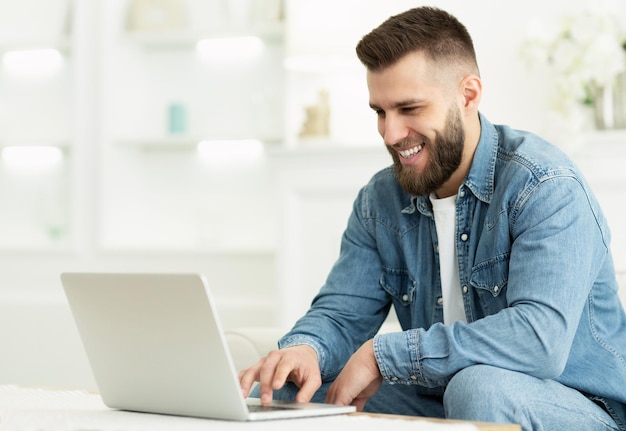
x=409 y=109
x=379 y=112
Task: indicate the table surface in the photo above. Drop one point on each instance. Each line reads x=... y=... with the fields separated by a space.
x=482 y=426
x=34 y=409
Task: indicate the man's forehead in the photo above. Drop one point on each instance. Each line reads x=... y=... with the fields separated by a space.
x=399 y=85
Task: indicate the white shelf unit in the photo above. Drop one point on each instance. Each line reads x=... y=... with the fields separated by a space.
x=36 y=110
x=129 y=201
x=157 y=193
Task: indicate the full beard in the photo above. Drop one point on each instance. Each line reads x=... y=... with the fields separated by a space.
x=446 y=153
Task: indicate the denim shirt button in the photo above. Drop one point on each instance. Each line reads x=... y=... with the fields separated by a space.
x=413 y=377
x=464 y=237
x=495 y=289
x=440 y=301
x=394 y=379
x=465 y=289
x=405 y=297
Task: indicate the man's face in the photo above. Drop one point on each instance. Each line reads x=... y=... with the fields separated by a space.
x=420 y=124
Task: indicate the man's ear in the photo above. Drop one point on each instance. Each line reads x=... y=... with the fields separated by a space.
x=471 y=89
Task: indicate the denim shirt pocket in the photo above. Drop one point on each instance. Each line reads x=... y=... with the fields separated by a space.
x=489 y=279
x=401 y=286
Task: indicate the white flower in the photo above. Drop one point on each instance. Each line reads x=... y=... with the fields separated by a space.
x=585 y=50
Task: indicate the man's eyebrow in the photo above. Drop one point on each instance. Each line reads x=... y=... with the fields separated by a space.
x=400 y=103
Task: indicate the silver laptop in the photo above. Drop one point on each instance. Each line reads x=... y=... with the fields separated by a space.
x=155 y=344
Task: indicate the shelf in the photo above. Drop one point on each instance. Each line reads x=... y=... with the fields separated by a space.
x=61 y=43
x=161 y=252
x=186 y=39
x=14 y=252
x=183 y=143
x=64 y=144
x=35 y=154
x=607 y=137
x=326 y=148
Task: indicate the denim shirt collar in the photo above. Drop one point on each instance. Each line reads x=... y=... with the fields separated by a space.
x=480 y=179
x=484 y=161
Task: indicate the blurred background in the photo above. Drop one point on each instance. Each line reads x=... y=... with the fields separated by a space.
x=229 y=137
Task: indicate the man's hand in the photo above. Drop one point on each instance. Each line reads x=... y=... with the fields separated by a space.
x=298 y=364
x=358 y=381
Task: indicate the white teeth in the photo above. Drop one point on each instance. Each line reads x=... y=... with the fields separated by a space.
x=411 y=151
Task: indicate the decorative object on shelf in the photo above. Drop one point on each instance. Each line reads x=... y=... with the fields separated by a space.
x=609 y=104
x=242 y=14
x=317 y=119
x=155 y=15
x=586 y=52
x=269 y=11
x=176 y=119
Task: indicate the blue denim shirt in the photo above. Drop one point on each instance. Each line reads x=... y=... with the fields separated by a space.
x=536 y=272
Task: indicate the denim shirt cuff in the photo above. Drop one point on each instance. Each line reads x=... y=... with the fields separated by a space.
x=298 y=340
x=396 y=355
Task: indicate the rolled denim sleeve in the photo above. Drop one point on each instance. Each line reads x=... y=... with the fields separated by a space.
x=299 y=340
x=395 y=367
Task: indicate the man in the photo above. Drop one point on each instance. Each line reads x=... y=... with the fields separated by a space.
x=488 y=243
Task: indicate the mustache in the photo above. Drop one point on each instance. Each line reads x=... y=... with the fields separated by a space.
x=412 y=141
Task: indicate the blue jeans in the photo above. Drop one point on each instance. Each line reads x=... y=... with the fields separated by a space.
x=512 y=397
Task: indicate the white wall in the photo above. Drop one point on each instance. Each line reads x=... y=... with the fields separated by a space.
x=119 y=202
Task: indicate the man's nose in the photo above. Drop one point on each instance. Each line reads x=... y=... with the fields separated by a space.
x=394 y=130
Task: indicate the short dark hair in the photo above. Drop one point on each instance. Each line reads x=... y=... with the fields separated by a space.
x=438 y=34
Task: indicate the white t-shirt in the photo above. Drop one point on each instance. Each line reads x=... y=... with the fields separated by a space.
x=445 y=221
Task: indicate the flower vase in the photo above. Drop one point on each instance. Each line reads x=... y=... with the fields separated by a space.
x=609 y=104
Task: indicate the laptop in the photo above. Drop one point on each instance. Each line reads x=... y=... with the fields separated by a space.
x=155 y=345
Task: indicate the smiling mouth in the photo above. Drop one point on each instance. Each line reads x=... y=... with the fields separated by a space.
x=406 y=154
